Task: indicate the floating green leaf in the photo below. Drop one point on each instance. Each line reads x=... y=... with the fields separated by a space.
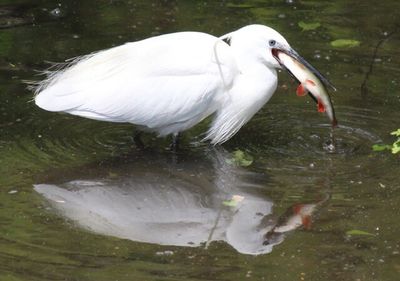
x=112 y=175
x=230 y=203
x=345 y=43
x=241 y=158
x=234 y=201
x=396 y=133
x=396 y=147
x=308 y=26
x=354 y=232
x=381 y=147
x=243 y=6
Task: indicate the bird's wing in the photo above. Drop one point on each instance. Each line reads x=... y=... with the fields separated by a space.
x=157 y=81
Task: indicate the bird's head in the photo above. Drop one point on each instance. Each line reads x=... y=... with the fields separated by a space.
x=263 y=44
x=257 y=42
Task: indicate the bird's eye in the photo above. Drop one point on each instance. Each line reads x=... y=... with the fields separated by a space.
x=272 y=43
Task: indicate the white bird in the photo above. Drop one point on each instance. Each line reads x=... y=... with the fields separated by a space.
x=169 y=83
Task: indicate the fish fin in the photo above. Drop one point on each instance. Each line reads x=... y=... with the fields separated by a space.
x=297 y=208
x=310 y=82
x=321 y=107
x=306 y=221
x=301 y=91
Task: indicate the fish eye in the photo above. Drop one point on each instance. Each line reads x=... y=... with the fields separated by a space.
x=272 y=43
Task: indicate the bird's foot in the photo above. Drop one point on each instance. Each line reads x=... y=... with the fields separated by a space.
x=138 y=140
x=175 y=142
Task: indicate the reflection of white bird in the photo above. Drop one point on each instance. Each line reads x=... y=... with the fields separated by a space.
x=169 y=83
x=182 y=204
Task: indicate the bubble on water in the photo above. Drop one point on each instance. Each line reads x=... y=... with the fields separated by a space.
x=56 y=12
x=165 y=253
x=330 y=147
x=315 y=137
x=317 y=56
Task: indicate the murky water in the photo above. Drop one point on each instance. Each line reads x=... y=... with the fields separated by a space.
x=285 y=199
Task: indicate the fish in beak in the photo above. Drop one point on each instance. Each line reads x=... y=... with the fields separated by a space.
x=311 y=81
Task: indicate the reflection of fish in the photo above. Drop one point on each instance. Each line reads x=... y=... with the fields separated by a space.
x=296 y=216
x=309 y=82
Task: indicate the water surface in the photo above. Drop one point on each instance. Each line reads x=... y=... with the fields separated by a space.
x=78 y=200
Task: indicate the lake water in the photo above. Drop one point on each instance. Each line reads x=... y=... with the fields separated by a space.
x=285 y=199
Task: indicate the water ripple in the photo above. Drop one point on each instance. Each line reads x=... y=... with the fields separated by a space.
x=310 y=134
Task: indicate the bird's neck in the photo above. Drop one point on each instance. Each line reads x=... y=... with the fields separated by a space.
x=258 y=74
x=246 y=59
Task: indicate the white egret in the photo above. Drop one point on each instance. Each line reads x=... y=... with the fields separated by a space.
x=169 y=83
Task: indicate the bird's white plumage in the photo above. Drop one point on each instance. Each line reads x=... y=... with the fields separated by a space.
x=171 y=82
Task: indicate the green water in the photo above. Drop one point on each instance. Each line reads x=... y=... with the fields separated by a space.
x=289 y=159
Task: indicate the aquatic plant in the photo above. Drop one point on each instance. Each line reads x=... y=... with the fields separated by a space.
x=394 y=147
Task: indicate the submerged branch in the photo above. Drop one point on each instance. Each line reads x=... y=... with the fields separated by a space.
x=364 y=87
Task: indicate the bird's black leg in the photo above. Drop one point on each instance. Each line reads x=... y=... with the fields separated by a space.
x=175 y=142
x=137 y=140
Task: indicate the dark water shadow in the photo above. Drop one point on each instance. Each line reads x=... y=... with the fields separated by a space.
x=188 y=199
